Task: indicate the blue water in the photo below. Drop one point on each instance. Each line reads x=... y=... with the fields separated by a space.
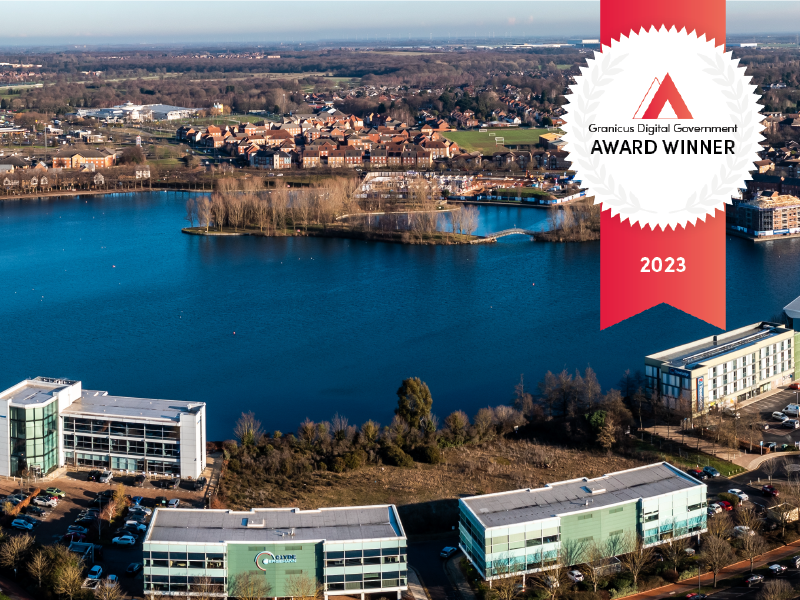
x=107 y=290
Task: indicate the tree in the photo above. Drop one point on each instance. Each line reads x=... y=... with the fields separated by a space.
x=248 y=429
x=716 y=554
x=776 y=589
x=191 y=212
x=595 y=556
x=38 y=565
x=457 y=423
x=637 y=556
x=550 y=582
x=15 y=549
x=673 y=550
x=303 y=586
x=111 y=591
x=69 y=579
x=607 y=436
x=250 y=586
x=132 y=155
x=414 y=401
x=753 y=546
x=119 y=499
x=720 y=525
x=203 y=205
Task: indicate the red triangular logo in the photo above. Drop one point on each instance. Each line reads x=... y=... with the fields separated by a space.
x=659 y=93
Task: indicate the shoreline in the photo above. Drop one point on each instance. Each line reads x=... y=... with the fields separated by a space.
x=394 y=237
x=763 y=238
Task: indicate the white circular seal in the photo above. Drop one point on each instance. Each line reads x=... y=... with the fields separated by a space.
x=662 y=127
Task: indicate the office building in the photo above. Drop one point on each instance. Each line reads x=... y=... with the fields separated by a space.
x=353 y=551
x=46 y=423
x=723 y=369
x=531 y=530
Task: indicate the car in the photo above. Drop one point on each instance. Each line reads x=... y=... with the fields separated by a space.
x=696 y=596
x=731 y=412
x=697 y=474
x=715 y=507
x=741 y=531
x=769 y=490
x=795 y=385
x=792 y=410
x=139 y=480
x=107 y=494
x=779 y=416
x=53 y=491
x=551 y=582
x=791 y=424
x=135 y=526
x=133 y=569
x=105 y=477
x=30 y=519
x=85 y=521
x=136 y=500
x=725 y=505
x=35 y=510
x=174 y=503
x=575 y=576
x=111 y=580
x=124 y=540
x=753 y=580
x=772 y=446
x=710 y=512
x=737 y=492
x=140 y=510
x=777 y=569
x=22 y=524
x=795 y=560
x=174 y=483
x=93 y=475
x=200 y=483
x=77 y=529
x=161 y=501
x=74 y=537
x=95 y=572
x=39 y=501
x=711 y=471
x=447 y=552
x=136 y=517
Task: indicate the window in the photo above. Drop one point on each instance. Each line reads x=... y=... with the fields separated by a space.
x=618 y=509
x=651 y=516
x=584 y=517
x=615 y=533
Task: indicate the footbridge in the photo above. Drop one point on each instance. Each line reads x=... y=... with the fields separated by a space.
x=491 y=237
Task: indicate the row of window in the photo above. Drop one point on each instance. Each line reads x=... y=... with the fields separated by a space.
x=182 y=583
x=367 y=560
x=127 y=447
x=143 y=465
x=365 y=553
x=374 y=584
x=122 y=429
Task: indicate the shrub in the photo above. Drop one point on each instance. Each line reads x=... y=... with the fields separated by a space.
x=671 y=575
x=355 y=459
x=430 y=454
x=395 y=456
x=732 y=498
x=338 y=465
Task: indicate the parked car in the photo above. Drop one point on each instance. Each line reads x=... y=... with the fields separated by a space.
x=795 y=385
x=741 y=531
x=777 y=569
x=30 y=519
x=791 y=424
x=711 y=471
x=200 y=483
x=769 y=490
x=697 y=474
x=133 y=569
x=174 y=503
x=551 y=582
x=136 y=526
x=93 y=475
x=107 y=494
x=575 y=576
x=731 y=413
x=136 y=501
x=49 y=502
x=725 y=505
x=124 y=540
x=792 y=410
x=35 y=510
x=779 y=416
x=54 y=491
x=77 y=529
x=447 y=552
x=139 y=480
x=105 y=477
x=140 y=510
x=715 y=507
x=772 y=446
x=85 y=521
x=21 y=524
x=737 y=492
x=95 y=572
x=696 y=596
x=111 y=580
x=753 y=580
x=710 y=512
x=73 y=537
x=161 y=501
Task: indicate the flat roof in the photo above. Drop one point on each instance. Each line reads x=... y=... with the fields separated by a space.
x=556 y=499
x=793 y=309
x=35 y=391
x=100 y=404
x=694 y=354
x=271 y=525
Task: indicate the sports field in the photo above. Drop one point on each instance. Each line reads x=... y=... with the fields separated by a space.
x=470 y=141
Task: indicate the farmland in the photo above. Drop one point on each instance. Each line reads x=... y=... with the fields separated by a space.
x=470 y=141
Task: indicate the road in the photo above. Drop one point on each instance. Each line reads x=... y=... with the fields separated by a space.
x=424 y=557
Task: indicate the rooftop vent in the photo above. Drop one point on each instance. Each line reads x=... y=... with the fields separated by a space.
x=252 y=523
x=593 y=489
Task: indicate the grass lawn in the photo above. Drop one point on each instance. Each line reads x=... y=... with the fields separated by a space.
x=687 y=458
x=484 y=142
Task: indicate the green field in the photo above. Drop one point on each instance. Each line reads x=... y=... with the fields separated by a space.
x=470 y=141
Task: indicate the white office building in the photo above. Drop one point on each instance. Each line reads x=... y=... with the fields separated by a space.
x=48 y=423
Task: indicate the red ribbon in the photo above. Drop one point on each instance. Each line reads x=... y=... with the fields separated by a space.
x=624 y=289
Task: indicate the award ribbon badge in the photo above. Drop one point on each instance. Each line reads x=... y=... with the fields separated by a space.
x=662 y=127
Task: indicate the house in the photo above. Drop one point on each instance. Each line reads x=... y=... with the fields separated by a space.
x=71 y=158
x=764 y=166
x=270 y=159
x=311 y=159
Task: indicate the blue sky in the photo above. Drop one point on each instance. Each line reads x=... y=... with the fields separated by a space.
x=229 y=22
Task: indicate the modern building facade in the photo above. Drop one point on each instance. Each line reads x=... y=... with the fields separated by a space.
x=531 y=530
x=354 y=551
x=723 y=369
x=764 y=213
x=46 y=423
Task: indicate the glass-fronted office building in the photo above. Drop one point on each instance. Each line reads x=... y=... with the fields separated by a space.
x=46 y=423
x=527 y=531
x=354 y=551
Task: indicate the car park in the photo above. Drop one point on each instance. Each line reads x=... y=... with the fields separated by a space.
x=793 y=410
x=95 y=572
x=36 y=511
x=73 y=537
x=124 y=540
x=711 y=471
x=575 y=576
x=769 y=490
x=93 y=476
x=447 y=552
x=77 y=529
x=697 y=474
x=53 y=491
x=139 y=480
x=22 y=524
x=133 y=569
x=779 y=416
x=174 y=503
x=725 y=505
x=740 y=494
x=754 y=580
x=777 y=569
x=200 y=483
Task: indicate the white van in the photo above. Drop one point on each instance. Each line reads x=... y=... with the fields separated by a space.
x=792 y=410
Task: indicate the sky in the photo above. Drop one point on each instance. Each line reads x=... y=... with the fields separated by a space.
x=226 y=22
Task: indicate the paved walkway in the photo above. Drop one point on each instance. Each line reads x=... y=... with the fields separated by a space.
x=457 y=578
x=734 y=570
x=415 y=587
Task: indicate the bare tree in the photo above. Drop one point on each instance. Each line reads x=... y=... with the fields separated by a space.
x=250 y=586
x=716 y=554
x=637 y=556
x=594 y=558
x=772 y=466
x=720 y=525
x=753 y=546
x=191 y=212
x=776 y=589
x=236 y=209
x=204 y=212
x=550 y=581
x=69 y=578
x=111 y=591
x=303 y=586
x=203 y=588
x=38 y=566
x=219 y=210
x=469 y=222
x=15 y=550
x=572 y=552
x=248 y=429
x=673 y=550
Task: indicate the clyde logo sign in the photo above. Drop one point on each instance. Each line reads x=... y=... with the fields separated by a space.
x=268 y=558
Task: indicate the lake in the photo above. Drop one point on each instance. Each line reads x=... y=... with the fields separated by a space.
x=107 y=290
